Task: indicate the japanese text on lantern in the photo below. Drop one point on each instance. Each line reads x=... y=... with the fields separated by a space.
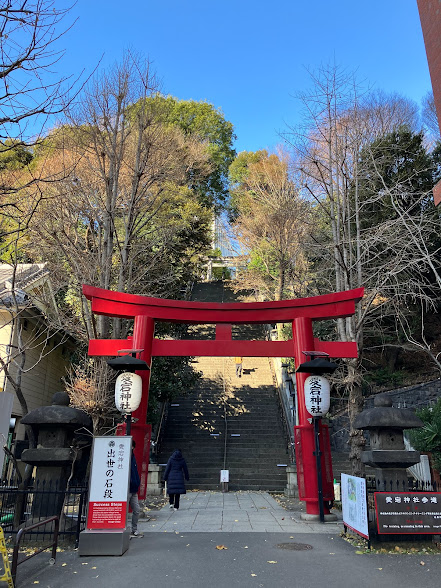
x=317 y=395
x=315 y=390
x=125 y=391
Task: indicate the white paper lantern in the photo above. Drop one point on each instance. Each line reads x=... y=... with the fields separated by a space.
x=317 y=395
x=128 y=392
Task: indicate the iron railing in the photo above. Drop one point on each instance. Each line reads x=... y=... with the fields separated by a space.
x=25 y=530
x=38 y=502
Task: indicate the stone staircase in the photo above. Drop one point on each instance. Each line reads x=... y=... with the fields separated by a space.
x=228 y=422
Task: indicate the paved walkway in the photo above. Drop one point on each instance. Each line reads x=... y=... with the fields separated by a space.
x=232 y=512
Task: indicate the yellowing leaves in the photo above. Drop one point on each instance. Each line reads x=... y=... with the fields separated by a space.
x=221 y=547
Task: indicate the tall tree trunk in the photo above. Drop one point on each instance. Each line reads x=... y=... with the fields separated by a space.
x=355 y=406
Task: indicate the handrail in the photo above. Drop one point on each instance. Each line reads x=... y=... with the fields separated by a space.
x=284 y=407
x=156 y=442
x=289 y=430
x=23 y=531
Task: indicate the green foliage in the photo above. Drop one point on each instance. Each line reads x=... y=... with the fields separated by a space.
x=240 y=167
x=428 y=438
x=221 y=273
x=14 y=155
x=238 y=174
x=385 y=377
x=206 y=124
x=398 y=160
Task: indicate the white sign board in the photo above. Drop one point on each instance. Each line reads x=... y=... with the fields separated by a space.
x=354 y=505
x=225 y=476
x=109 y=483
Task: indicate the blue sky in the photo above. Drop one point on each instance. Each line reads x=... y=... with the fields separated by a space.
x=250 y=57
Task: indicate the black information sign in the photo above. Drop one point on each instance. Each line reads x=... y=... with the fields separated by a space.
x=408 y=512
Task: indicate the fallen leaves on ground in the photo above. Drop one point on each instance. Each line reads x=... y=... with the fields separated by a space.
x=271 y=562
x=221 y=547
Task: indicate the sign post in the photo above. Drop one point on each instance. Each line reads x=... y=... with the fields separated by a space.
x=106 y=530
x=408 y=513
x=354 y=504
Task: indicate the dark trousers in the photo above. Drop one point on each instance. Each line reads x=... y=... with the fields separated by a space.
x=174 y=499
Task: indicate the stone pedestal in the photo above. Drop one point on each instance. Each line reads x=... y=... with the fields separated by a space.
x=104 y=542
x=387 y=454
x=291 y=489
x=55 y=430
x=154 y=486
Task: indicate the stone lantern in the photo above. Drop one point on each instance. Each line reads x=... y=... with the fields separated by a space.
x=387 y=454
x=54 y=429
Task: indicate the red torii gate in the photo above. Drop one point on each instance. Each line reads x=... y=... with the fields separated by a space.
x=300 y=312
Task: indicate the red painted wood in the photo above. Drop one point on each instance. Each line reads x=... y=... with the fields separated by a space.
x=220 y=348
x=303 y=340
x=223 y=332
x=118 y=304
x=301 y=312
x=92 y=292
x=308 y=490
x=110 y=347
x=224 y=315
x=336 y=348
x=143 y=333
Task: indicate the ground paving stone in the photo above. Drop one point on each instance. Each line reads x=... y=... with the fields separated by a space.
x=234 y=512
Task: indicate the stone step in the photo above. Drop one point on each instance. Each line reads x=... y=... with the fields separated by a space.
x=237 y=487
x=252 y=412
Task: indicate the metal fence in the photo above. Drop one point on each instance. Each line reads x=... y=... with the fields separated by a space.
x=40 y=501
x=407 y=486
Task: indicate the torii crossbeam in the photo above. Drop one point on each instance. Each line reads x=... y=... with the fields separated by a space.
x=300 y=312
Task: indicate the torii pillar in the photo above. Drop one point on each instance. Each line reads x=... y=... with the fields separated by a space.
x=300 y=313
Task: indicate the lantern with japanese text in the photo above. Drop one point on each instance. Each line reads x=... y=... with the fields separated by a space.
x=128 y=392
x=317 y=395
x=128 y=386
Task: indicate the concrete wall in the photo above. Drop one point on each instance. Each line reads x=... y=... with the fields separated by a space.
x=46 y=362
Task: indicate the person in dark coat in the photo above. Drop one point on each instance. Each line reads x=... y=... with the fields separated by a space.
x=174 y=475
